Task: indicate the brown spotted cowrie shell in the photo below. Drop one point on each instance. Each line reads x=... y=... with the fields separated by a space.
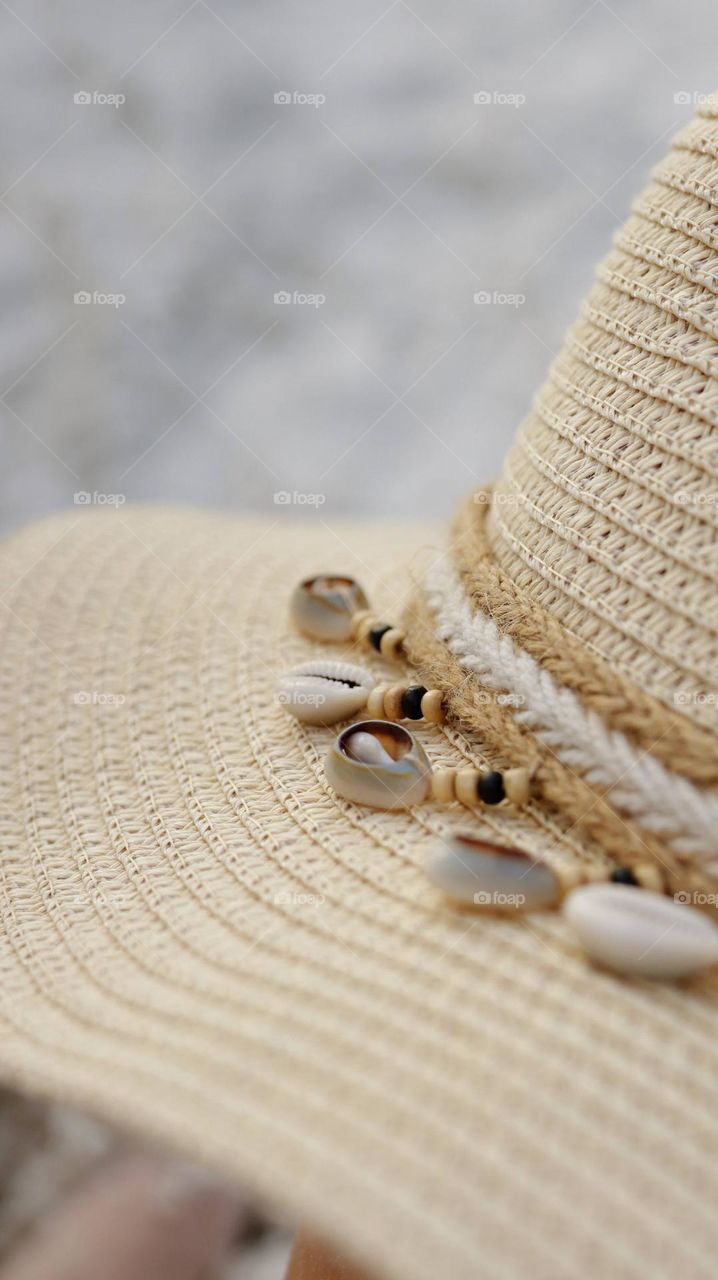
x=636 y=931
x=323 y=692
x=380 y=764
x=324 y=607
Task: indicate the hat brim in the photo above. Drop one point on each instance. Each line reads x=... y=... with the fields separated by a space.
x=202 y=942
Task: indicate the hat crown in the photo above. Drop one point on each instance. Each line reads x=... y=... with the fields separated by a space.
x=606 y=512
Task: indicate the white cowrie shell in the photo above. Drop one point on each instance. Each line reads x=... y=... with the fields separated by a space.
x=323 y=607
x=322 y=692
x=380 y=764
x=639 y=932
x=492 y=877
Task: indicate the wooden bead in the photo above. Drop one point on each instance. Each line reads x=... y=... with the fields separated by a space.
x=375 y=702
x=411 y=702
x=571 y=874
x=491 y=787
x=358 y=620
x=377 y=633
x=392 y=701
x=592 y=872
x=465 y=787
x=623 y=875
x=391 y=643
x=517 y=785
x=442 y=785
x=649 y=876
x=432 y=706
x=363 y=628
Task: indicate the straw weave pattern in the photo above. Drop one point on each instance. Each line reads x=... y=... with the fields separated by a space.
x=200 y=941
x=686 y=748
x=606 y=513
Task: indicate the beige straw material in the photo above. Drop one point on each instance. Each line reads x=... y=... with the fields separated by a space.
x=606 y=514
x=200 y=942
x=686 y=748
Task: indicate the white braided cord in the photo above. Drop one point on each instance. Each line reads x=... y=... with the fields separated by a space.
x=641 y=788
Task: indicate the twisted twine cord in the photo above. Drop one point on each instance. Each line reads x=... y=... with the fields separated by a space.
x=640 y=787
x=571 y=798
x=684 y=747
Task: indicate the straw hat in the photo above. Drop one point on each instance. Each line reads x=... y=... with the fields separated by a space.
x=202 y=941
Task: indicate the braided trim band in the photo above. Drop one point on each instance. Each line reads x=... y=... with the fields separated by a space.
x=487 y=718
x=684 y=747
x=661 y=802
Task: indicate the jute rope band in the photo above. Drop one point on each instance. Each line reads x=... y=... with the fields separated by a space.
x=481 y=714
x=640 y=787
x=684 y=747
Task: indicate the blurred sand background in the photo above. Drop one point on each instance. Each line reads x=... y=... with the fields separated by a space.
x=397 y=198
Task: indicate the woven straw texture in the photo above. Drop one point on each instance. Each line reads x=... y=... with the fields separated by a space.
x=607 y=511
x=574 y=619
x=200 y=941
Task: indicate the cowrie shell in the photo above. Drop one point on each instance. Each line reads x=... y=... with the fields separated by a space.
x=492 y=877
x=323 y=607
x=322 y=692
x=377 y=763
x=642 y=933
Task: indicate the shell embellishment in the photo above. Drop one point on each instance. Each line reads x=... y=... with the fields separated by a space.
x=322 y=692
x=491 y=876
x=638 y=932
x=324 y=607
x=380 y=764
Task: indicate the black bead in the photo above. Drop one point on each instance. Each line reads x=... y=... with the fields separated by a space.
x=411 y=702
x=623 y=875
x=376 y=633
x=491 y=787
